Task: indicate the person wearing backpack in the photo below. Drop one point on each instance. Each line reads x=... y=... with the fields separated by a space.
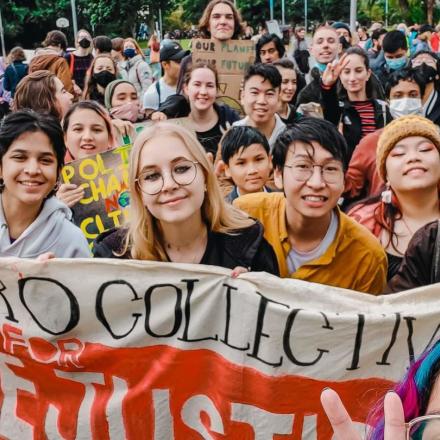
x=16 y=70
x=171 y=54
x=81 y=59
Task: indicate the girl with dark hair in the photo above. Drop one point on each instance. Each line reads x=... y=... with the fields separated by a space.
x=360 y=112
x=269 y=48
x=32 y=221
x=289 y=83
x=408 y=160
x=80 y=60
x=101 y=73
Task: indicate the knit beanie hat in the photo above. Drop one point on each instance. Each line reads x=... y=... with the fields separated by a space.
x=341 y=25
x=401 y=128
x=110 y=89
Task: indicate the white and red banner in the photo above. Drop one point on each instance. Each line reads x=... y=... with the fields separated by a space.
x=104 y=349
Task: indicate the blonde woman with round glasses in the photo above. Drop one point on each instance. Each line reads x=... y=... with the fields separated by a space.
x=177 y=211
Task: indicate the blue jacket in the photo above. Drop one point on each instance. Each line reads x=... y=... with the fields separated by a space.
x=13 y=75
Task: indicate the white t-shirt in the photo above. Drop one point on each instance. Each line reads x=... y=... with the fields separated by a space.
x=295 y=259
x=151 y=97
x=280 y=126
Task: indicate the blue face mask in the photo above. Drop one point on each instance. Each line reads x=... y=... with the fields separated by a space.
x=321 y=66
x=397 y=63
x=130 y=52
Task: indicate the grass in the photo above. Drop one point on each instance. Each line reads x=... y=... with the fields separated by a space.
x=184 y=43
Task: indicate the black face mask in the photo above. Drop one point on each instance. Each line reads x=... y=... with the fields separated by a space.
x=104 y=78
x=425 y=73
x=84 y=43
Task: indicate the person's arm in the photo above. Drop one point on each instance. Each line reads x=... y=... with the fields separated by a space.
x=330 y=104
x=361 y=166
x=145 y=75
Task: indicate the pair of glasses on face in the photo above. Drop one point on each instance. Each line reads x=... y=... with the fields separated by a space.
x=152 y=181
x=423 y=428
x=303 y=170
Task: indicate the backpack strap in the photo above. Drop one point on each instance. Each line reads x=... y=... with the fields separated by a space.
x=72 y=63
x=158 y=90
x=436 y=257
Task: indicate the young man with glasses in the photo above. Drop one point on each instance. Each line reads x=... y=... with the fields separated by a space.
x=312 y=239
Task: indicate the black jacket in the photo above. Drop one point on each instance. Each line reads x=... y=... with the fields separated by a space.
x=247 y=248
x=312 y=91
x=421 y=264
x=336 y=111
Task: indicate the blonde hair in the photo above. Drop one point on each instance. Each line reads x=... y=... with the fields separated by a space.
x=144 y=239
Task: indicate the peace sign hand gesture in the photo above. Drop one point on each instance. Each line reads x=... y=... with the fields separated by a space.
x=343 y=426
x=333 y=70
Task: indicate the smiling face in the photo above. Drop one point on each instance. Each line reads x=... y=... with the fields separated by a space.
x=201 y=89
x=413 y=163
x=249 y=168
x=174 y=204
x=86 y=134
x=354 y=75
x=325 y=45
x=259 y=99
x=29 y=169
x=288 y=84
x=221 y=22
x=313 y=198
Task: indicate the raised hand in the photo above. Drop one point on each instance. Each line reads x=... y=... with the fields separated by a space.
x=333 y=70
x=343 y=426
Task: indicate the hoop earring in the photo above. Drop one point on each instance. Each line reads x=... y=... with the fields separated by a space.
x=2 y=184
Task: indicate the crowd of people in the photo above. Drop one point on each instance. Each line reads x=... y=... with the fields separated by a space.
x=330 y=174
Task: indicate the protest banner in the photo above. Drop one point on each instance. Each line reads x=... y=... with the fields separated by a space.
x=104 y=349
x=104 y=177
x=231 y=59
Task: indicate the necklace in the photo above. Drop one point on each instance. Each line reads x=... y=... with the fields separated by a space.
x=198 y=246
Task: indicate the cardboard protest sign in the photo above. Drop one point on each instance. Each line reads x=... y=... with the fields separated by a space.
x=273 y=27
x=104 y=177
x=231 y=59
x=107 y=349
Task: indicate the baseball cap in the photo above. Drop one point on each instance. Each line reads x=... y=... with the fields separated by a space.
x=172 y=51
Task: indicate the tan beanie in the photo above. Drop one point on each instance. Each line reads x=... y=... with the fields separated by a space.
x=400 y=128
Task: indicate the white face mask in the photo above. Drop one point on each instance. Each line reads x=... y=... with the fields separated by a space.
x=405 y=106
